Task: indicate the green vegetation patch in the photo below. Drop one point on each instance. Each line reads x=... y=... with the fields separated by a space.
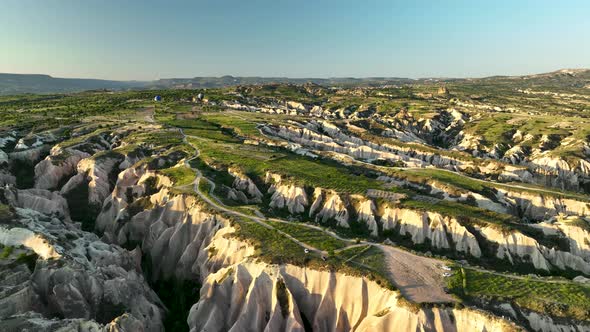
x=6 y=252
x=218 y=146
x=373 y=258
x=275 y=248
x=311 y=236
x=5 y=213
x=272 y=246
x=465 y=214
x=257 y=160
x=558 y=299
x=179 y=175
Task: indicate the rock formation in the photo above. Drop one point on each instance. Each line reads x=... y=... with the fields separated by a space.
x=89 y=284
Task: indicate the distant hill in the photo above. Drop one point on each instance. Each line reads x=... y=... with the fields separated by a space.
x=223 y=81
x=24 y=83
x=11 y=84
x=33 y=83
x=563 y=78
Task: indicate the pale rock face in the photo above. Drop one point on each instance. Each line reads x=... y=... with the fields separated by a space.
x=235 y=195
x=20 y=236
x=584 y=166
x=174 y=236
x=98 y=173
x=246 y=185
x=129 y=161
x=332 y=140
x=539 y=207
x=366 y=214
x=272 y=178
x=578 y=237
x=515 y=155
x=173 y=230
x=517 y=137
x=48 y=175
x=244 y=300
x=74 y=182
x=517 y=245
x=290 y=196
x=469 y=142
x=31 y=155
x=20 y=145
x=388 y=218
x=464 y=240
x=480 y=200
x=223 y=250
x=321 y=135
x=515 y=173
x=545 y=324
x=534 y=206
x=554 y=172
x=316 y=111
x=415 y=224
x=32 y=321
x=497 y=151
x=432 y=227
x=297 y=106
x=232 y=295
x=438 y=232
x=486 y=203
x=76 y=277
x=44 y=201
x=133 y=181
x=329 y=205
x=7 y=139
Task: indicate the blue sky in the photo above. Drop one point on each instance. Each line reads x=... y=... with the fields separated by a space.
x=317 y=38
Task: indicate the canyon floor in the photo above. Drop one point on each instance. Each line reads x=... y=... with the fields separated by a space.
x=436 y=205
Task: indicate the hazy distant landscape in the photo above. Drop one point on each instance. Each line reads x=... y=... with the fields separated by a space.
x=11 y=84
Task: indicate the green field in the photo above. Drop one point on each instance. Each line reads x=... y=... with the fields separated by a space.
x=559 y=299
x=180 y=175
x=217 y=147
x=273 y=247
x=486 y=189
x=310 y=236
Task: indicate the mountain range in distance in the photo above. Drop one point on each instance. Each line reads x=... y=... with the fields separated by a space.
x=13 y=84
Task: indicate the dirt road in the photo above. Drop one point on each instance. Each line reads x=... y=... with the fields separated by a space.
x=420 y=279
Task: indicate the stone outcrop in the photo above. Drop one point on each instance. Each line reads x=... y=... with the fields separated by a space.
x=365 y=212
x=171 y=229
x=91 y=285
x=430 y=227
x=541 y=206
x=286 y=195
x=242 y=183
x=44 y=201
x=515 y=246
x=59 y=165
x=574 y=229
x=98 y=172
x=283 y=297
x=329 y=205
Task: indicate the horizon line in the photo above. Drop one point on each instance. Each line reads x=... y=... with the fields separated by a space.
x=580 y=69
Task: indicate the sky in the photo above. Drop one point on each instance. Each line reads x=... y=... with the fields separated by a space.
x=147 y=39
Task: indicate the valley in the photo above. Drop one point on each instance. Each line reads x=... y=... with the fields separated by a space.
x=431 y=204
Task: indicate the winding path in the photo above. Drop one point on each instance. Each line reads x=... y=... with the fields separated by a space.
x=420 y=279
